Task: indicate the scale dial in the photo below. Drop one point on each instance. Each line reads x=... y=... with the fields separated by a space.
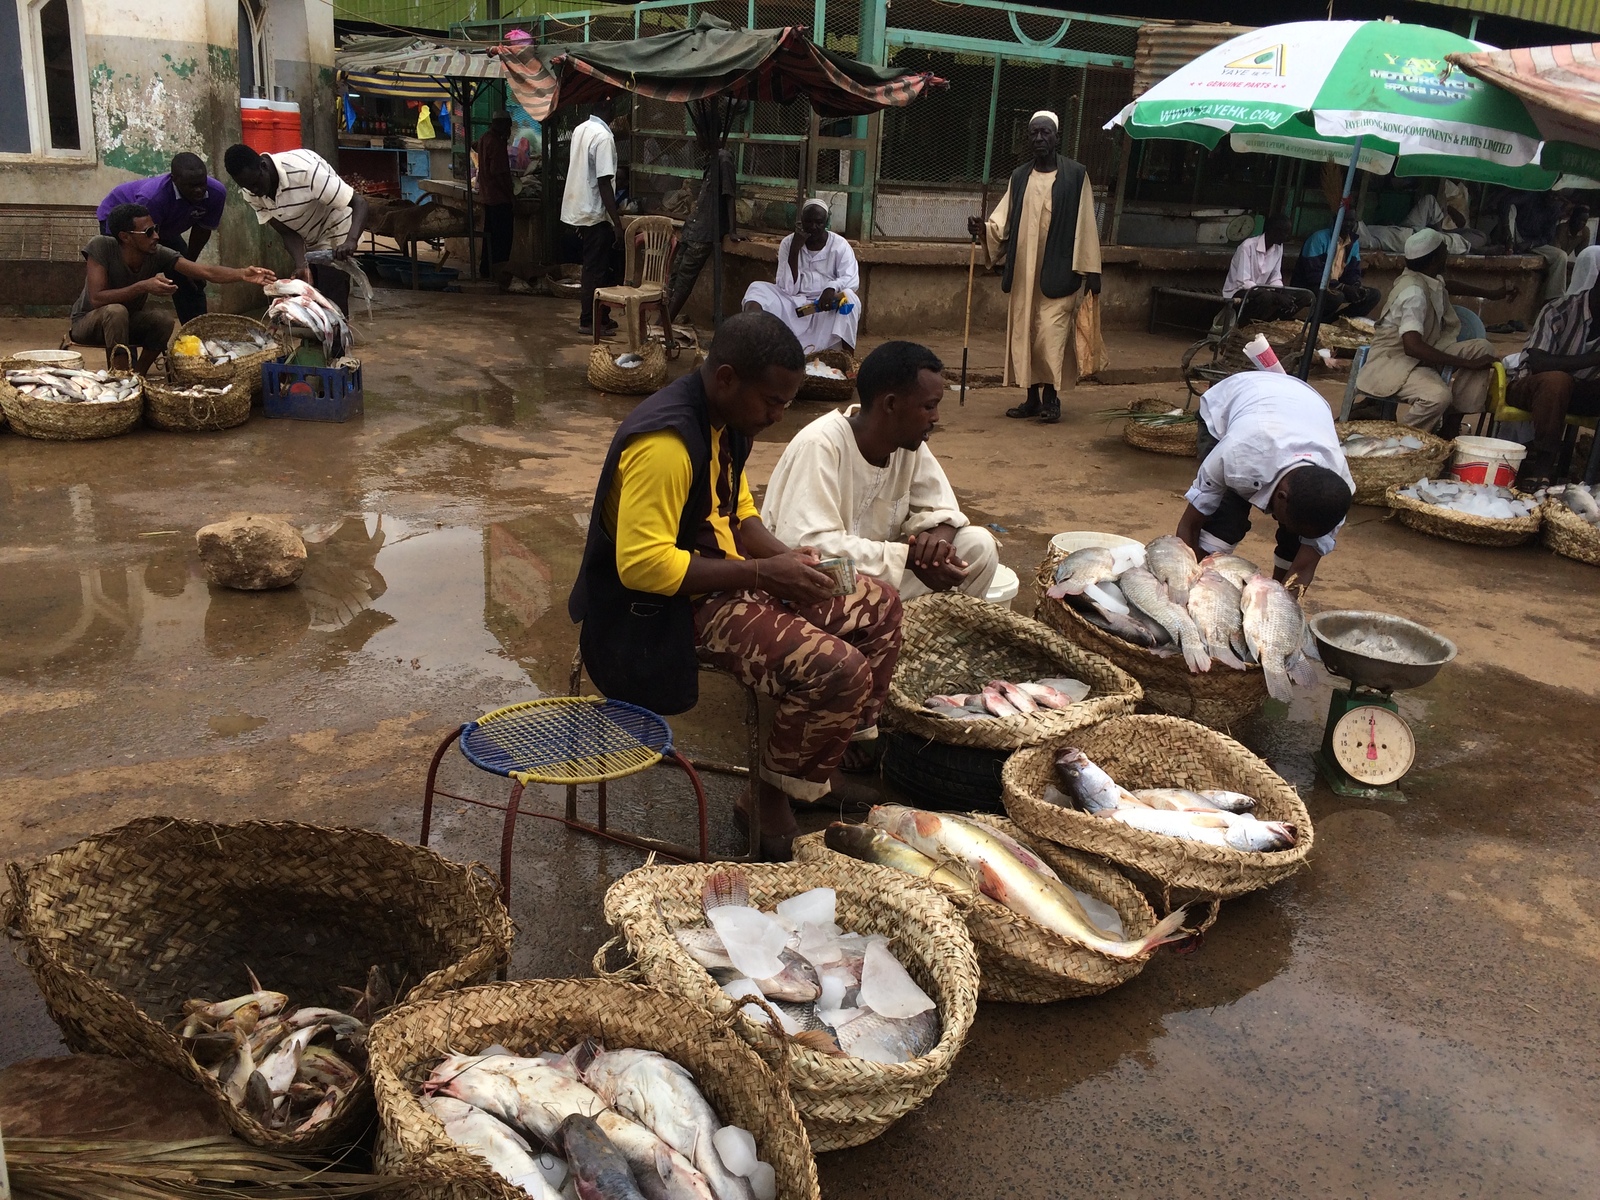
x=1373 y=745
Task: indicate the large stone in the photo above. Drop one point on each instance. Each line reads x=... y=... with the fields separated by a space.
x=252 y=553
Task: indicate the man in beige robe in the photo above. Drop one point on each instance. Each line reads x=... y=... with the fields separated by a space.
x=1044 y=226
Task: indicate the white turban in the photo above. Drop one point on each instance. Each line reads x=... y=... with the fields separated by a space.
x=816 y=203
x=1423 y=243
x=1047 y=115
x=1585 y=270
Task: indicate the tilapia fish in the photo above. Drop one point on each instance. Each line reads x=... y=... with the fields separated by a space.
x=875 y=846
x=1581 y=502
x=1214 y=606
x=1078 y=570
x=1195 y=800
x=877 y=1038
x=492 y=1140
x=1008 y=876
x=1147 y=593
x=599 y=1172
x=1171 y=561
x=1237 y=571
x=1276 y=632
x=1215 y=828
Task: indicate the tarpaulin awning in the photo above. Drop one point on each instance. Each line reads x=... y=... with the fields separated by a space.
x=1560 y=87
x=413 y=68
x=712 y=59
x=404 y=87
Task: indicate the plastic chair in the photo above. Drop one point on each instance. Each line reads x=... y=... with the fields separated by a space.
x=1471 y=327
x=1500 y=412
x=657 y=236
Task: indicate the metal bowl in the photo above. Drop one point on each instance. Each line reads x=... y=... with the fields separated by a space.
x=1379 y=650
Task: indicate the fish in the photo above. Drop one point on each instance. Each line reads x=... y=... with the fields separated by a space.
x=1582 y=503
x=1195 y=800
x=1088 y=785
x=1149 y=596
x=1276 y=632
x=1126 y=626
x=1006 y=877
x=1171 y=561
x=1214 y=607
x=324 y=1110
x=796 y=982
x=1015 y=696
x=281 y=1066
x=492 y=1140
x=599 y=1171
x=342 y=1024
x=1234 y=569
x=258 y=1098
x=1092 y=564
x=1215 y=828
x=997 y=704
x=324 y=1067
x=1235 y=802
x=234 y=1072
x=873 y=845
x=1046 y=696
x=220 y=1010
x=661 y=1095
x=878 y=1038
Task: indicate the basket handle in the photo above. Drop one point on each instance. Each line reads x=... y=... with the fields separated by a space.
x=629 y=973
x=779 y=1062
x=484 y=895
x=111 y=354
x=11 y=903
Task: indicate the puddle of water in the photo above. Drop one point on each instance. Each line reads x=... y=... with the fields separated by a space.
x=232 y=724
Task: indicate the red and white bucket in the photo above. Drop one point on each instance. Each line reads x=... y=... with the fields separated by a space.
x=1486 y=460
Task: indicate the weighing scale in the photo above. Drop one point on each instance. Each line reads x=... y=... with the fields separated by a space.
x=1367 y=747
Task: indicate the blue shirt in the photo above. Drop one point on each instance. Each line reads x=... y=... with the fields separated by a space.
x=172 y=214
x=1316 y=246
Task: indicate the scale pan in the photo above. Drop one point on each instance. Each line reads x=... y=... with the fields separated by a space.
x=1380 y=650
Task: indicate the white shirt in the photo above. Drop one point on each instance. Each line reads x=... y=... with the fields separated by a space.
x=1254 y=265
x=834 y=266
x=823 y=493
x=593 y=158
x=312 y=200
x=1266 y=425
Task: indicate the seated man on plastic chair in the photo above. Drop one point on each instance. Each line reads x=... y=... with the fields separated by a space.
x=1418 y=338
x=679 y=569
x=1558 y=374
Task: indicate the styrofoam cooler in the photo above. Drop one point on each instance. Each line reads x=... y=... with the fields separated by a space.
x=1486 y=460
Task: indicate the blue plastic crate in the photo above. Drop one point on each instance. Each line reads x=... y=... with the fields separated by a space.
x=311 y=393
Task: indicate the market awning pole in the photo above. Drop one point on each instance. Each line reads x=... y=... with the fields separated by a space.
x=1327 y=265
x=471 y=92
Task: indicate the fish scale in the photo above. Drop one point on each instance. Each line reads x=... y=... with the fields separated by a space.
x=1146 y=593
x=1277 y=634
x=1214 y=605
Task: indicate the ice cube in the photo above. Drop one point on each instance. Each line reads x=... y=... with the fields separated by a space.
x=737 y=1149
x=833 y=986
x=886 y=988
x=741 y=989
x=815 y=907
x=752 y=938
x=875 y=1051
x=833 y=1018
x=764 y=1182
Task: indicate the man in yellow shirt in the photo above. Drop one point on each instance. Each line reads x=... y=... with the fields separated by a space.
x=680 y=569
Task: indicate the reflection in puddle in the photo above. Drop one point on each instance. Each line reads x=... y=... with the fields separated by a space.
x=232 y=724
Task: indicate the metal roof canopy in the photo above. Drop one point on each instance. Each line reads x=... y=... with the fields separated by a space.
x=1566 y=14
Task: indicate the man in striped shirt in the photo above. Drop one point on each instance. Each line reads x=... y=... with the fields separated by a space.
x=1558 y=374
x=303 y=198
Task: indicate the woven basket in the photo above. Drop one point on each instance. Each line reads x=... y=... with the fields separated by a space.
x=196 y=368
x=60 y=421
x=1568 y=534
x=1287 y=339
x=1021 y=962
x=1218 y=697
x=165 y=410
x=831 y=391
x=1459 y=526
x=528 y=1016
x=843 y=1101
x=1150 y=752
x=122 y=928
x=1375 y=476
x=1181 y=440
x=952 y=642
x=647 y=377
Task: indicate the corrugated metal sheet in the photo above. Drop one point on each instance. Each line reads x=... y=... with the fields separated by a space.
x=1582 y=15
x=441 y=14
x=1164 y=46
x=416 y=56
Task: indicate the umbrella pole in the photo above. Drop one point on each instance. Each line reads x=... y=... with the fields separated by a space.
x=966 y=335
x=1327 y=266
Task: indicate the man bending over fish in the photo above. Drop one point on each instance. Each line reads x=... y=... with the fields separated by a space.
x=861 y=483
x=1267 y=441
x=679 y=566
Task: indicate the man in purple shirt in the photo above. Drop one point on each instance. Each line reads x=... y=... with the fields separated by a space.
x=183 y=201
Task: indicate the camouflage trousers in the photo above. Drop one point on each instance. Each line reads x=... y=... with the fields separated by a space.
x=827 y=665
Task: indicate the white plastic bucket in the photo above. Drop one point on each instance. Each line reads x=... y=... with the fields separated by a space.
x=1486 y=460
x=1079 y=539
x=69 y=359
x=1003 y=587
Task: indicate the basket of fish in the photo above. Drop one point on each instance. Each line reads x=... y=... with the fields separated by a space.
x=195 y=407
x=1381 y=454
x=1156 y=425
x=830 y=378
x=1188 y=811
x=975 y=674
x=860 y=993
x=627 y=372
x=146 y=942
x=1048 y=923
x=1571 y=527
x=217 y=348
x=1208 y=639
x=1479 y=514
x=550 y=1087
x=63 y=404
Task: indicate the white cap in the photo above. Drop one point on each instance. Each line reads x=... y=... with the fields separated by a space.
x=1047 y=115
x=1423 y=243
x=813 y=202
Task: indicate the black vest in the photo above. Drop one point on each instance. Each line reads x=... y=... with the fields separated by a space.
x=640 y=646
x=1057 y=278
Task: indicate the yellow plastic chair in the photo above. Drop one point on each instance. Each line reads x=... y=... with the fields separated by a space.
x=1501 y=411
x=650 y=242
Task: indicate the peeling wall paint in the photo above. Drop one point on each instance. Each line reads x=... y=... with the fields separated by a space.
x=142 y=120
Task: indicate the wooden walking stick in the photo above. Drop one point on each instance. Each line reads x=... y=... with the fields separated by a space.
x=966 y=335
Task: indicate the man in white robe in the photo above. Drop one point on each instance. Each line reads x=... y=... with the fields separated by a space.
x=818 y=271
x=861 y=483
x=1045 y=227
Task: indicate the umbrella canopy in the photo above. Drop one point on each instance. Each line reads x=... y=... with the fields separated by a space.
x=1311 y=89
x=1560 y=86
x=711 y=59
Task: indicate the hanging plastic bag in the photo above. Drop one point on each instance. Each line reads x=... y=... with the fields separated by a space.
x=360 y=285
x=425 y=123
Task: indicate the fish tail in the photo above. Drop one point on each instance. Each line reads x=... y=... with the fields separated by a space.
x=723 y=888
x=1225 y=655
x=1169 y=929
x=1058 y=590
x=1194 y=651
x=1302 y=671
x=1277 y=681
x=819 y=1040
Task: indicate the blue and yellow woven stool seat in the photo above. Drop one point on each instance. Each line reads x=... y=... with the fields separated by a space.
x=566 y=739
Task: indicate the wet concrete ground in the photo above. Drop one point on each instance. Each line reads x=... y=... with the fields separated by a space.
x=1410 y=1016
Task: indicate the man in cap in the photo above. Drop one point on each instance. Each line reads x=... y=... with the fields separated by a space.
x=1419 y=337
x=494 y=192
x=817 y=273
x=1045 y=227
x=183 y=201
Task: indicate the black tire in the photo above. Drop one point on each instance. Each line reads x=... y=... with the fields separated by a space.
x=951 y=778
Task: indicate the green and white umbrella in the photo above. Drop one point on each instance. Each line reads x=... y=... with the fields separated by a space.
x=1315 y=89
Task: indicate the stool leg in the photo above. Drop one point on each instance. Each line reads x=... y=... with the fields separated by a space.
x=505 y=844
x=433 y=776
x=572 y=802
x=601 y=787
x=700 y=800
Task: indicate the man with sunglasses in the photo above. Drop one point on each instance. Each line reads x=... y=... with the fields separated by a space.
x=184 y=201
x=125 y=266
